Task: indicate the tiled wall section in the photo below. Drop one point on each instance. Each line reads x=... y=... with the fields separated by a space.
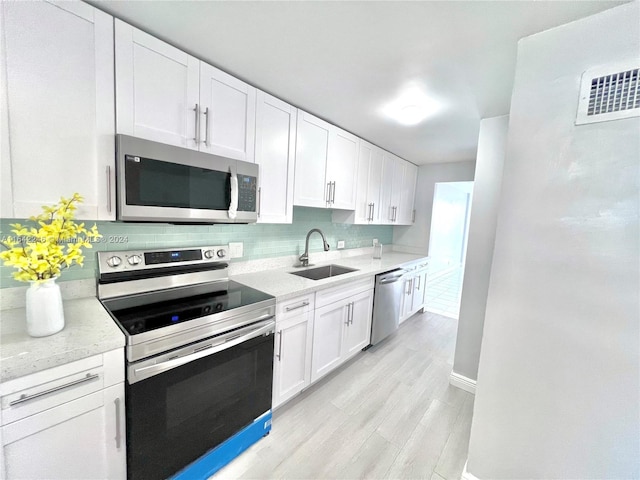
x=260 y=241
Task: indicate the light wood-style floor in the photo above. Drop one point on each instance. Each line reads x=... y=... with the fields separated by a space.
x=388 y=413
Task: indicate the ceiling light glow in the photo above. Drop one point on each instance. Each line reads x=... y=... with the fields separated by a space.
x=411 y=107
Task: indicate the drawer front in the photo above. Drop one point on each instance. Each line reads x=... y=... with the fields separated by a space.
x=35 y=399
x=295 y=306
x=335 y=294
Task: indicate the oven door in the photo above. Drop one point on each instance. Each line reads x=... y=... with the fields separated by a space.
x=184 y=403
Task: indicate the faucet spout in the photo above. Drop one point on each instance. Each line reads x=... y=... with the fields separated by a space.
x=304 y=258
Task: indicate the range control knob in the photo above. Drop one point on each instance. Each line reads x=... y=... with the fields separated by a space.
x=208 y=253
x=221 y=253
x=134 y=259
x=114 y=261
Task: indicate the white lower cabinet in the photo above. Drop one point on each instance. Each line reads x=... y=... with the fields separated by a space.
x=66 y=422
x=341 y=328
x=292 y=363
x=310 y=341
x=414 y=294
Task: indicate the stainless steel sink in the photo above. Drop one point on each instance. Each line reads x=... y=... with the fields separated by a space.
x=327 y=271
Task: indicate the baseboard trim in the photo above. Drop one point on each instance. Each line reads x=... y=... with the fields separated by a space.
x=462 y=382
x=466 y=475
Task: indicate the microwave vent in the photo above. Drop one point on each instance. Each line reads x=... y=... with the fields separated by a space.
x=609 y=93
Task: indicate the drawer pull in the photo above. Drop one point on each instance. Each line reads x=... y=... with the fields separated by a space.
x=303 y=304
x=26 y=398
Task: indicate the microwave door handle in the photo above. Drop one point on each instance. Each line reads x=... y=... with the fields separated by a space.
x=233 y=204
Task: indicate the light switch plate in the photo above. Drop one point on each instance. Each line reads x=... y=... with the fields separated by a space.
x=340 y=244
x=236 y=249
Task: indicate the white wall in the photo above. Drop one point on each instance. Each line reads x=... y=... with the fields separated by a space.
x=558 y=393
x=492 y=143
x=415 y=238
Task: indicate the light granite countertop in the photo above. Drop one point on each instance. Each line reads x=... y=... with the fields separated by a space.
x=282 y=285
x=89 y=330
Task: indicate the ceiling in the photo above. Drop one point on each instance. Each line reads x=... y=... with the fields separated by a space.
x=345 y=60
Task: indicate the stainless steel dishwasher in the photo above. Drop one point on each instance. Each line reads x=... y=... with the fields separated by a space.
x=386 y=304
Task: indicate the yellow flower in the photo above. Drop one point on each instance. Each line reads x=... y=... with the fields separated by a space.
x=38 y=253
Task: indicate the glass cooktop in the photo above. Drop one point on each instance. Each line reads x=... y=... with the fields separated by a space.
x=142 y=314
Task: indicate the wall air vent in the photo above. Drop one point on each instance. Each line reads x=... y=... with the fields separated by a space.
x=609 y=93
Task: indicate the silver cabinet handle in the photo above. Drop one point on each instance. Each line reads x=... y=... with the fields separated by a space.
x=206 y=126
x=408 y=291
x=370 y=216
x=259 y=199
x=373 y=210
x=413 y=216
x=328 y=192
x=109 y=188
x=348 y=305
x=118 y=430
x=333 y=195
x=395 y=213
x=303 y=304
x=27 y=398
x=417 y=287
x=279 y=354
x=197 y=136
x=352 y=308
x=390 y=213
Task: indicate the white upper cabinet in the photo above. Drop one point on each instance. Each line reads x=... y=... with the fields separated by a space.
x=342 y=167
x=326 y=164
x=59 y=121
x=406 y=211
x=312 y=152
x=386 y=189
x=275 y=153
x=228 y=106
x=166 y=95
x=157 y=89
x=369 y=184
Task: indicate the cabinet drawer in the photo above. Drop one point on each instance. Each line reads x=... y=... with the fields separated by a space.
x=335 y=294
x=32 y=400
x=295 y=306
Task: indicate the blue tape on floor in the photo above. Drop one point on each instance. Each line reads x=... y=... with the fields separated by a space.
x=220 y=456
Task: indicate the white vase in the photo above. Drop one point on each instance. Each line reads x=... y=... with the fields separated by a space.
x=44 y=308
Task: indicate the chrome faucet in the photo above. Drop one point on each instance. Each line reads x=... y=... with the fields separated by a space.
x=304 y=258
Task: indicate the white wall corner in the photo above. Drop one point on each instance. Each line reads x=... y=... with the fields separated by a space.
x=462 y=382
x=466 y=475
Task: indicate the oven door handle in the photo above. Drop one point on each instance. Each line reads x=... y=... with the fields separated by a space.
x=219 y=344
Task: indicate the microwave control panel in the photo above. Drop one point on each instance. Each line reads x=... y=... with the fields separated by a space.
x=246 y=193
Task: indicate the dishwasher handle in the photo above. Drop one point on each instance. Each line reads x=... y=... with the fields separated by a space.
x=393 y=277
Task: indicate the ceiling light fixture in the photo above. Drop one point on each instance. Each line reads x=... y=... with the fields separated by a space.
x=411 y=107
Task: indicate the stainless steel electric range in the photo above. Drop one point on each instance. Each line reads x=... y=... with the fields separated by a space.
x=199 y=358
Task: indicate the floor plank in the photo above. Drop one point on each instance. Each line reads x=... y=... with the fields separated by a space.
x=388 y=413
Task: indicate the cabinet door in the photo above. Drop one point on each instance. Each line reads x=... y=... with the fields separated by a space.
x=312 y=148
x=329 y=326
x=292 y=362
x=358 y=333
x=407 y=194
x=74 y=440
x=342 y=168
x=419 y=291
x=375 y=184
x=406 y=303
x=157 y=89
x=363 y=204
x=386 y=210
x=396 y=186
x=228 y=115
x=58 y=62
x=275 y=153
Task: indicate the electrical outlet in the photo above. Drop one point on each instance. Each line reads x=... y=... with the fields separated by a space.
x=375 y=242
x=236 y=249
x=340 y=244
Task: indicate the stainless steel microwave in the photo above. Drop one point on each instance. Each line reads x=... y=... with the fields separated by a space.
x=162 y=183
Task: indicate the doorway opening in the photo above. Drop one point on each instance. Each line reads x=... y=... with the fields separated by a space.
x=448 y=247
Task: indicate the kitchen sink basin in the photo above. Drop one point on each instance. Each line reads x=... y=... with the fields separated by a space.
x=327 y=271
